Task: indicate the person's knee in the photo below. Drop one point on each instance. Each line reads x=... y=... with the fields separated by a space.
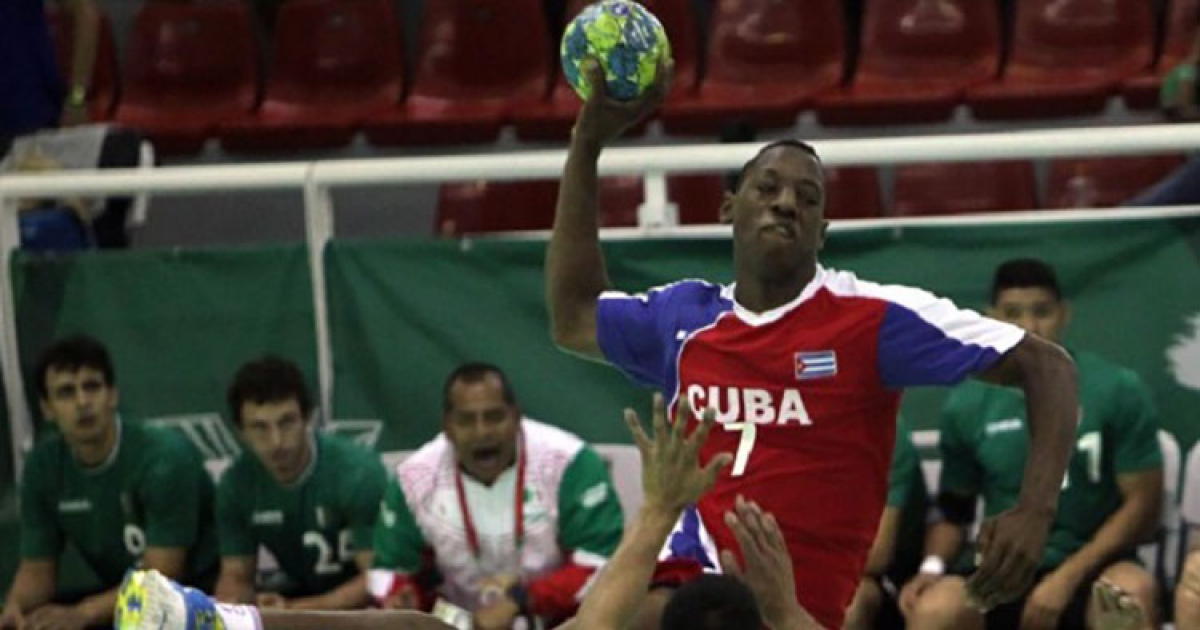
x=1137 y=582
x=865 y=608
x=943 y=605
x=1187 y=609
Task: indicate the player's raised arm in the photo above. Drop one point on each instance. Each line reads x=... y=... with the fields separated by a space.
x=1011 y=544
x=575 y=271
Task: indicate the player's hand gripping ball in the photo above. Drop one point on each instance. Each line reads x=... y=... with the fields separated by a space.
x=627 y=40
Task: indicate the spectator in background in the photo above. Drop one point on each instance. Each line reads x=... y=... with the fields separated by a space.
x=310 y=498
x=1110 y=498
x=515 y=515
x=31 y=90
x=122 y=493
x=896 y=551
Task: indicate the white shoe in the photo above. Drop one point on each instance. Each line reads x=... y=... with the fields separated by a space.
x=148 y=600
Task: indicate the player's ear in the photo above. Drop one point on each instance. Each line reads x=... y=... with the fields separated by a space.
x=821 y=238
x=726 y=211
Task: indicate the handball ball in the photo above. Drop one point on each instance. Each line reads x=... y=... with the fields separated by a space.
x=625 y=38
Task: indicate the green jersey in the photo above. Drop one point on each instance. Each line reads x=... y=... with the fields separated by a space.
x=984 y=441
x=907 y=491
x=153 y=491
x=313 y=526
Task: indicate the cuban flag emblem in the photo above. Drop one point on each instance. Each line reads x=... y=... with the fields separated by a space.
x=810 y=365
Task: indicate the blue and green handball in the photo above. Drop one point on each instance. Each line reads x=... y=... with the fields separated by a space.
x=627 y=40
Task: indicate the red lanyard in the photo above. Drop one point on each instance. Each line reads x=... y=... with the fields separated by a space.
x=518 y=504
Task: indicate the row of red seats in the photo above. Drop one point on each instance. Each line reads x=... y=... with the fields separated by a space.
x=852 y=193
x=337 y=67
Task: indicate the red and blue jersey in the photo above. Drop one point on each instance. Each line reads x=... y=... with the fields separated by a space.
x=806 y=395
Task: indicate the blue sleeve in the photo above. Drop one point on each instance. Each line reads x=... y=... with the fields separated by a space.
x=925 y=340
x=640 y=334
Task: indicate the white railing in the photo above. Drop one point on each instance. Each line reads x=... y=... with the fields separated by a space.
x=316 y=179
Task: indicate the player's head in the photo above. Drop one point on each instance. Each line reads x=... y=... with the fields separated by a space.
x=1025 y=292
x=272 y=409
x=77 y=389
x=712 y=602
x=481 y=418
x=778 y=210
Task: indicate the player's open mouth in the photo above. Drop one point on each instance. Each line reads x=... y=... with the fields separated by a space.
x=486 y=455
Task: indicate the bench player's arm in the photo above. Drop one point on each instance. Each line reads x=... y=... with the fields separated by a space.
x=352 y=594
x=236 y=584
x=575 y=271
x=32 y=587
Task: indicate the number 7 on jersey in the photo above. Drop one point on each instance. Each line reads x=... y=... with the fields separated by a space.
x=749 y=432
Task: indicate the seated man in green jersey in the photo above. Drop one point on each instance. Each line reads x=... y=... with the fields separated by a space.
x=310 y=498
x=121 y=493
x=896 y=551
x=512 y=514
x=1110 y=498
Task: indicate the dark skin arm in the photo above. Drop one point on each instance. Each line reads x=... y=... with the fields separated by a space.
x=1010 y=544
x=575 y=271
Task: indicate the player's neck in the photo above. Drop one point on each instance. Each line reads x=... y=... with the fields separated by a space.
x=760 y=292
x=92 y=453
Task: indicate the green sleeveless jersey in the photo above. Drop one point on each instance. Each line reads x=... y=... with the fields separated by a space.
x=984 y=442
x=313 y=526
x=152 y=492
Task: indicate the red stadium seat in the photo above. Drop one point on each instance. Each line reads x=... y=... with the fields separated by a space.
x=103 y=85
x=1068 y=57
x=917 y=59
x=1104 y=182
x=482 y=206
x=852 y=193
x=696 y=197
x=190 y=67
x=1183 y=18
x=766 y=61
x=474 y=207
x=552 y=119
x=961 y=188
x=478 y=62
x=336 y=62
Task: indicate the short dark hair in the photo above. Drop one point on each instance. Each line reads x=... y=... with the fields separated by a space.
x=70 y=354
x=1025 y=273
x=265 y=380
x=475 y=372
x=784 y=142
x=712 y=602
